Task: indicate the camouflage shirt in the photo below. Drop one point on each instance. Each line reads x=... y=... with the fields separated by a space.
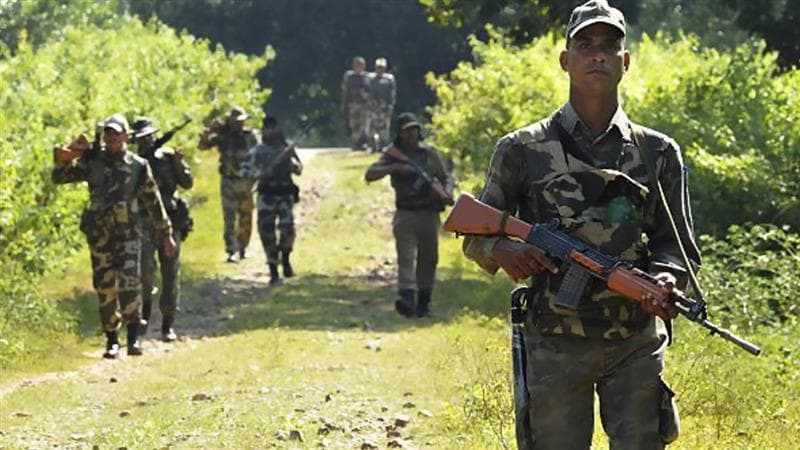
x=354 y=87
x=279 y=180
x=118 y=183
x=382 y=87
x=601 y=196
x=233 y=147
x=411 y=192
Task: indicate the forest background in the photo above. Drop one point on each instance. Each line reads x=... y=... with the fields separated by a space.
x=720 y=77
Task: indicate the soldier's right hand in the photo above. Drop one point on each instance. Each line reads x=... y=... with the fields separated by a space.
x=521 y=260
x=80 y=143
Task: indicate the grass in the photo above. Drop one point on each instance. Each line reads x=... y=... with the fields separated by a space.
x=325 y=356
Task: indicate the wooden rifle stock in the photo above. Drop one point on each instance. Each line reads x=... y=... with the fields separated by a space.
x=471 y=216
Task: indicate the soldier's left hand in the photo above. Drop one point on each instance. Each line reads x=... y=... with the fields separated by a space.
x=170 y=249
x=178 y=155
x=659 y=305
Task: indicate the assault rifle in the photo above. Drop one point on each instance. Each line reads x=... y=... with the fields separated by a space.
x=471 y=216
x=170 y=134
x=425 y=179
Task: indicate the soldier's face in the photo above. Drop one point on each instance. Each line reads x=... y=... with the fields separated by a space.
x=358 y=67
x=409 y=136
x=146 y=141
x=596 y=59
x=272 y=132
x=115 y=141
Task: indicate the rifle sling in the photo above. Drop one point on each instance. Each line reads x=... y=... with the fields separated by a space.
x=503 y=220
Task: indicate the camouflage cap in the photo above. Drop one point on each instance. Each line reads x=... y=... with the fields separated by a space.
x=380 y=62
x=117 y=122
x=238 y=114
x=143 y=126
x=406 y=120
x=592 y=12
x=359 y=60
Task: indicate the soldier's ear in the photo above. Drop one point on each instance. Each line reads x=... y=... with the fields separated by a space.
x=563 y=59
x=626 y=61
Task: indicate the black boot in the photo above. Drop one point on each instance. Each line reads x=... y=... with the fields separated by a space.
x=167 y=332
x=287 y=266
x=112 y=345
x=423 y=300
x=405 y=306
x=242 y=254
x=134 y=346
x=274 y=278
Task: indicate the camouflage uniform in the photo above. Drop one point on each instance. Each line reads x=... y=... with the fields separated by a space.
x=169 y=173
x=235 y=189
x=277 y=195
x=600 y=196
x=381 y=105
x=354 y=103
x=119 y=186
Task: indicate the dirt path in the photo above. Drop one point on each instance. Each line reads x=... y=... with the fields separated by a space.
x=204 y=318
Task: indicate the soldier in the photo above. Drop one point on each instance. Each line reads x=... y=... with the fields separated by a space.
x=120 y=185
x=272 y=164
x=233 y=140
x=169 y=172
x=587 y=167
x=381 y=105
x=422 y=186
x=353 y=103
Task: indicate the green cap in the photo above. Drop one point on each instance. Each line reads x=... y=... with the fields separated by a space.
x=117 y=122
x=592 y=12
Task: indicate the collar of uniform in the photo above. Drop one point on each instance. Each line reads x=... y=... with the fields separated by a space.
x=570 y=119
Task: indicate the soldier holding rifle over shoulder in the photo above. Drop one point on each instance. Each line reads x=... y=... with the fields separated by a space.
x=423 y=185
x=587 y=168
x=120 y=184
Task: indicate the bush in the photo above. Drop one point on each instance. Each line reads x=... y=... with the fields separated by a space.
x=733 y=113
x=61 y=89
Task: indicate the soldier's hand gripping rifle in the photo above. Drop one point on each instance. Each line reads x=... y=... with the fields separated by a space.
x=471 y=216
x=425 y=179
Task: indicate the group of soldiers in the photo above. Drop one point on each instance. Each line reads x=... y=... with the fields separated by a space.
x=134 y=211
x=367 y=103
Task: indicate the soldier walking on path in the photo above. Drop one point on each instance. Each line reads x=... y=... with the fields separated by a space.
x=422 y=186
x=353 y=104
x=382 y=93
x=169 y=172
x=233 y=140
x=272 y=164
x=595 y=173
x=120 y=185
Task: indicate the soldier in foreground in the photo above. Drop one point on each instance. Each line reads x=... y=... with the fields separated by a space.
x=353 y=104
x=586 y=167
x=233 y=140
x=382 y=92
x=169 y=171
x=121 y=184
x=422 y=186
x=272 y=164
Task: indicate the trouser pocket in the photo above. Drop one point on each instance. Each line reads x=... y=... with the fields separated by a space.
x=669 y=423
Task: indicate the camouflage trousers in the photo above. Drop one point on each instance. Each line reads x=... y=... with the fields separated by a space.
x=357 y=122
x=564 y=372
x=169 y=300
x=379 y=120
x=416 y=236
x=272 y=208
x=237 y=211
x=116 y=278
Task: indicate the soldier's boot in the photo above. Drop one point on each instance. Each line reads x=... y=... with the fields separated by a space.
x=134 y=346
x=112 y=345
x=274 y=278
x=423 y=300
x=232 y=258
x=242 y=254
x=405 y=306
x=167 y=332
x=288 y=272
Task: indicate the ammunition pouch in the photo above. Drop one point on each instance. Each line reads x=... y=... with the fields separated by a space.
x=181 y=220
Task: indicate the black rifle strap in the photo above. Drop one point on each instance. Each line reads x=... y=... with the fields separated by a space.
x=647 y=156
x=503 y=220
x=569 y=145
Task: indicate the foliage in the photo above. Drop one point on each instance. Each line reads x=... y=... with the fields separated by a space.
x=61 y=89
x=732 y=112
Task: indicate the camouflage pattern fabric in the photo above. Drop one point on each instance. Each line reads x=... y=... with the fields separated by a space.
x=270 y=209
x=233 y=147
x=118 y=184
x=354 y=103
x=409 y=192
x=237 y=212
x=379 y=120
x=416 y=237
x=357 y=121
x=169 y=173
x=605 y=203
